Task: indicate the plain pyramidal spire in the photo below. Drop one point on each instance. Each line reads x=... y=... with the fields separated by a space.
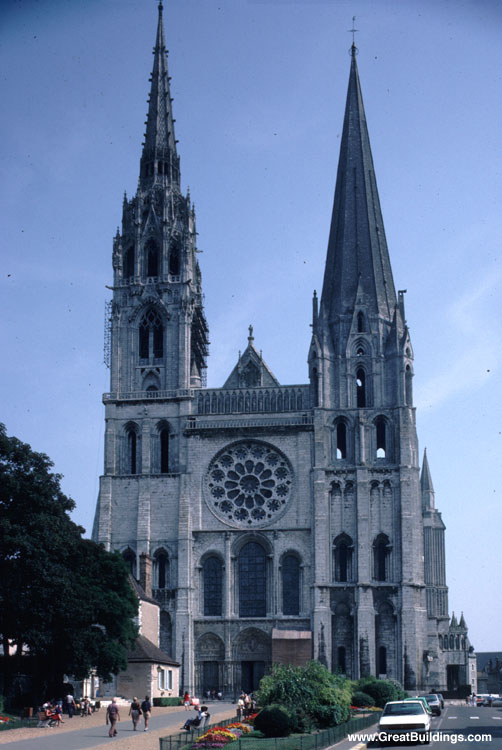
x=159 y=157
x=357 y=258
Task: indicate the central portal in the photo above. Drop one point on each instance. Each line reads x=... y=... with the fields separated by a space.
x=251 y=674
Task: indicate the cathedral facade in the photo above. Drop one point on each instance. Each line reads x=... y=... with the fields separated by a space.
x=259 y=514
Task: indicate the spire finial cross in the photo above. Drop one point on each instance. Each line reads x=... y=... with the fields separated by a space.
x=353 y=31
x=250 y=337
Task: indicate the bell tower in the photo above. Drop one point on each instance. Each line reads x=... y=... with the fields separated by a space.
x=158 y=330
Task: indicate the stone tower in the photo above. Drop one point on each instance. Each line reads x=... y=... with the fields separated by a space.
x=268 y=520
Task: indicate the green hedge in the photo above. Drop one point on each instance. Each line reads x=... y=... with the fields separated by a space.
x=168 y=701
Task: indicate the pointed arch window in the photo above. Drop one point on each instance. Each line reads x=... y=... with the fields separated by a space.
x=132 y=453
x=252 y=569
x=315 y=385
x=151 y=336
x=212 y=572
x=164 y=450
x=129 y=262
x=152 y=259
x=161 y=570
x=361 y=327
x=341 y=452
x=408 y=386
x=381 y=558
x=290 y=570
x=130 y=560
x=361 y=388
x=343 y=548
x=381 y=437
x=174 y=258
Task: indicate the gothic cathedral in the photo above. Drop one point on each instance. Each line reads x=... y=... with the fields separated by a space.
x=266 y=519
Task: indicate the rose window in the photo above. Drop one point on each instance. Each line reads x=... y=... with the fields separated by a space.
x=249 y=483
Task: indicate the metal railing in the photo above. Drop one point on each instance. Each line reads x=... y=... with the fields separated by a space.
x=314 y=741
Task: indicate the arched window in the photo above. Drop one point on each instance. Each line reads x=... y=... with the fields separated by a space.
x=161 y=570
x=452 y=642
x=343 y=552
x=382 y=660
x=212 y=571
x=457 y=642
x=361 y=388
x=252 y=581
x=440 y=639
x=360 y=322
x=341 y=440
x=164 y=450
x=290 y=585
x=130 y=559
x=381 y=437
x=174 y=259
x=133 y=452
x=408 y=386
x=151 y=336
x=152 y=259
x=129 y=262
x=381 y=558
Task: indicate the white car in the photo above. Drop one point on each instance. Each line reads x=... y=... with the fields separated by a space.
x=404 y=721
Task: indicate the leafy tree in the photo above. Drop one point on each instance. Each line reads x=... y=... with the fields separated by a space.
x=381 y=691
x=304 y=689
x=64 y=600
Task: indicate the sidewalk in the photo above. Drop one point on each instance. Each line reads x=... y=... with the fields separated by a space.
x=81 y=733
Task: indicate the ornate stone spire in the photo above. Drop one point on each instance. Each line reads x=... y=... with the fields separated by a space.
x=357 y=258
x=426 y=484
x=160 y=160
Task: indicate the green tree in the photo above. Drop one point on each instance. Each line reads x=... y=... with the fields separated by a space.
x=64 y=600
x=305 y=689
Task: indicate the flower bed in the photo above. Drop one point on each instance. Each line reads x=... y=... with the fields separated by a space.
x=218 y=737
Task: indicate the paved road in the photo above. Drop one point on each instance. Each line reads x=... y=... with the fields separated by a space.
x=458 y=727
x=93 y=736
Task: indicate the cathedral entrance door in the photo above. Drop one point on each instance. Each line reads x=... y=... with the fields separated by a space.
x=210 y=676
x=251 y=674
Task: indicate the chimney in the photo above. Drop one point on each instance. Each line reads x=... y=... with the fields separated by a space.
x=145 y=573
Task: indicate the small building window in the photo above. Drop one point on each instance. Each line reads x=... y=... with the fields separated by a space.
x=164 y=678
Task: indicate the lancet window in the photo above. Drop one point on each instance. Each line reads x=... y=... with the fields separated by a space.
x=252 y=581
x=290 y=585
x=151 y=336
x=212 y=572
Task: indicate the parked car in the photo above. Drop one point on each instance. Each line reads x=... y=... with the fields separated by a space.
x=496 y=701
x=399 y=719
x=441 y=699
x=434 y=703
x=422 y=700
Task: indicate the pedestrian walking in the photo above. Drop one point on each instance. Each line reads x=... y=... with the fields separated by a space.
x=135 y=713
x=112 y=717
x=186 y=701
x=146 y=707
x=70 y=704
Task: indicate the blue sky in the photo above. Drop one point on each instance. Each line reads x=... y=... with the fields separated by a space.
x=259 y=92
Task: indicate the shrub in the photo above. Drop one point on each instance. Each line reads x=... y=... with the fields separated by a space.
x=172 y=701
x=275 y=721
x=362 y=700
x=330 y=716
x=381 y=690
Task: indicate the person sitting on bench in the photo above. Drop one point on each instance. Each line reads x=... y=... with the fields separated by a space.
x=192 y=723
